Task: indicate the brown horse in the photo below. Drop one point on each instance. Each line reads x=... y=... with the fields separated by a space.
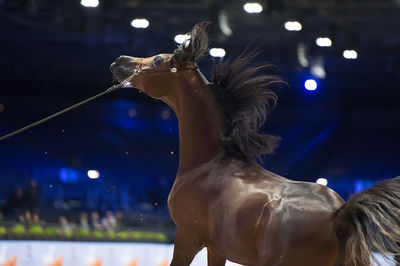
x=223 y=200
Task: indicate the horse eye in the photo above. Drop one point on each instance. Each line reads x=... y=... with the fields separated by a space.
x=157 y=61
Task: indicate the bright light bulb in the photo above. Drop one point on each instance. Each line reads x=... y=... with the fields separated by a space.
x=217 y=52
x=322 y=181
x=350 y=54
x=252 y=7
x=293 y=26
x=310 y=85
x=93 y=174
x=180 y=38
x=140 y=23
x=90 y=3
x=323 y=42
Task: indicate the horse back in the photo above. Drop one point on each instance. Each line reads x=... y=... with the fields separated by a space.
x=265 y=213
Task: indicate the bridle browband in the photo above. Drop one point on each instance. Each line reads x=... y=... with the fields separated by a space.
x=124 y=84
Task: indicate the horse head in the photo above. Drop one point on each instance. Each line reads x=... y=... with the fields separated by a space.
x=159 y=75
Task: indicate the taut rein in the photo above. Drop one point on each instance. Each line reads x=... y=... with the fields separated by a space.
x=124 y=84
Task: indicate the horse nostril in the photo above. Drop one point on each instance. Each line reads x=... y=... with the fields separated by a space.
x=117 y=60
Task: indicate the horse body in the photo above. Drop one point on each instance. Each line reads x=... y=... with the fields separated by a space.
x=253 y=215
x=221 y=199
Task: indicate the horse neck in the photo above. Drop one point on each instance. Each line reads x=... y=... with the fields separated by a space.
x=200 y=123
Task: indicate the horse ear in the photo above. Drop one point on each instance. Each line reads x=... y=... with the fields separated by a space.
x=198 y=44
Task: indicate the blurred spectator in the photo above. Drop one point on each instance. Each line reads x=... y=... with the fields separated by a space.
x=32 y=196
x=95 y=220
x=65 y=227
x=15 y=202
x=84 y=220
x=36 y=220
x=28 y=218
x=21 y=219
x=109 y=222
x=119 y=216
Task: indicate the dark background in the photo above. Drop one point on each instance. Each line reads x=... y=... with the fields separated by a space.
x=56 y=53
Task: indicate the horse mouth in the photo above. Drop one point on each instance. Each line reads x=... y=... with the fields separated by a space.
x=121 y=73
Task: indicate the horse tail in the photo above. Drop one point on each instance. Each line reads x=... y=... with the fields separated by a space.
x=370 y=221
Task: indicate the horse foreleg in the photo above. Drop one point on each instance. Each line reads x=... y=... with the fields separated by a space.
x=185 y=249
x=214 y=258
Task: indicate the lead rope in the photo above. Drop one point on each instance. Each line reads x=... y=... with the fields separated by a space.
x=109 y=90
x=124 y=84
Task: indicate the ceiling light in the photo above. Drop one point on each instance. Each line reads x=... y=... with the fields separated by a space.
x=180 y=38
x=323 y=42
x=140 y=23
x=293 y=26
x=310 y=85
x=93 y=174
x=217 y=52
x=350 y=54
x=252 y=7
x=322 y=181
x=90 y=3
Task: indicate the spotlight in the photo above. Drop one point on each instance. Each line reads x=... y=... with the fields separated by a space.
x=223 y=21
x=302 y=55
x=322 y=181
x=323 y=42
x=180 y=38
x=293 y=26
x=317 y=68
x=90 y=3
x=252 y=7
x=350 y=54
x=140 y=23
x=217 y=52
x=93 y=174
x=310 y=84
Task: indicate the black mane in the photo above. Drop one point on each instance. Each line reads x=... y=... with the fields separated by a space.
x=242 y=90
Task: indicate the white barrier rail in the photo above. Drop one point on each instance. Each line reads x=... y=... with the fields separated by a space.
x=57 y=253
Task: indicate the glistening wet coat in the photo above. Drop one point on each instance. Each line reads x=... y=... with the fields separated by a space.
x=223 y=200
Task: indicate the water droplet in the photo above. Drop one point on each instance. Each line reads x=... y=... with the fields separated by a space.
x=165 y=114
x=132 y=113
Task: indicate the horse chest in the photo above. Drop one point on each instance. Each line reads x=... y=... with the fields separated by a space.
x=186 y=205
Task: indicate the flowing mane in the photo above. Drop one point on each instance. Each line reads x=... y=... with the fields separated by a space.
x=242 y=90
